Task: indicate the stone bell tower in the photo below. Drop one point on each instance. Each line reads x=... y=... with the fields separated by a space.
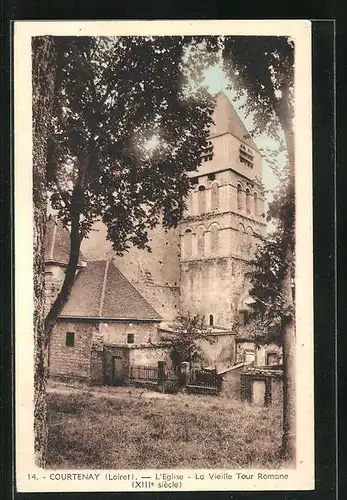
x=224 y=221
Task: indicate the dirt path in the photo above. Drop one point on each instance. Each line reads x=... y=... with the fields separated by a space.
x=109 y=392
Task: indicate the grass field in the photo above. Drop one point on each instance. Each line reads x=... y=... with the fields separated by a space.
x=132 y=429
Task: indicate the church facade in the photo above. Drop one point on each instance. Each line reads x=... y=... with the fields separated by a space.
x=201 y=266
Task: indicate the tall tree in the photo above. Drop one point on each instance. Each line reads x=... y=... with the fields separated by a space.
x=264 y=68
x=266 y=274
x=43 y=82
x=111 y=120
x=131 y=119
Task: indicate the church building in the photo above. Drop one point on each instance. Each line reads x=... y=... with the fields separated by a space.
x=199 y=267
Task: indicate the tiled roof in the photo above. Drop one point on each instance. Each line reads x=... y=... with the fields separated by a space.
x=226 y=120
x=57 y=243
x=102 y=291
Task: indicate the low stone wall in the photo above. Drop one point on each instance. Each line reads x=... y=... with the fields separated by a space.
x=132 y=355
x=231 y=384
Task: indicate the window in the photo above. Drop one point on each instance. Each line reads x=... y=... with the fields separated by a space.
x=256 y=210
x=211 y=176
x=187 y=242
x=246 y=156
x=239 y=197
x=207 y=152
x=249 y=356
x=202 y=200
x=214 y=196
x=214 y=239
x=70 y=339
x=248 y=200
x=211 y=320
x=130 y=338
x=272 y=358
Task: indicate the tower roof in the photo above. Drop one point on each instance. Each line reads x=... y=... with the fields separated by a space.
x=226 y=120
x=57 y=243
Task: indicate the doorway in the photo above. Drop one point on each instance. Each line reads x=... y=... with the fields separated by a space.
x=117 y=370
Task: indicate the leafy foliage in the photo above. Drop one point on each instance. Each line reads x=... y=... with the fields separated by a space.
x=117 y=96
x=188 y=330
x=270 y=264
x=130 y=119
x=263 y=67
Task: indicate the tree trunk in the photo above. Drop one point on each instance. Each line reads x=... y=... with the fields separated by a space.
x=288 y=449
x=43 y=78
x=64 y=293
x=77 y=202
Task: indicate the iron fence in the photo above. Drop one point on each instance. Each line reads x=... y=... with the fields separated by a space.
x=196 y=380
x=203 y=379
x=144 y=373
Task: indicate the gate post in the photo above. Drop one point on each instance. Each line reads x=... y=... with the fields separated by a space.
x=126 y=365
x=184 y=372
x=161 y=372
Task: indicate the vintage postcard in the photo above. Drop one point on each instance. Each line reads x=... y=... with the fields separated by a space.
x=163 y=256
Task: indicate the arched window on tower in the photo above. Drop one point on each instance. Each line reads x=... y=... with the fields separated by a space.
x=239 y=197
x=214 y=196
x=214 y=239
x=201 y=241
x=211 y=320
x=256 y=208
x=202 y=200
x=187 y=243
x=248 y=201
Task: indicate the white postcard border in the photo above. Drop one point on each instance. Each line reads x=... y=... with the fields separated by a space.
x=303 y=476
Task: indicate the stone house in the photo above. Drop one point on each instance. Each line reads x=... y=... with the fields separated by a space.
x=106 y=325
x=259 y=353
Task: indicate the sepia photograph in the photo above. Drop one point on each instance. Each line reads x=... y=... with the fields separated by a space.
x=169 y=222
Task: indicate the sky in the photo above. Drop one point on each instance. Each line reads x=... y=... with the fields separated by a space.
x=217 y=81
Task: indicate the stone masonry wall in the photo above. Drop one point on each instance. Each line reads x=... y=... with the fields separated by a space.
x=54 y=277
x=117 y=332
x=260 y=352
x=213 y=286
x=219 y=350
x=133 y=356
x=74 y=361
x=149 y=356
